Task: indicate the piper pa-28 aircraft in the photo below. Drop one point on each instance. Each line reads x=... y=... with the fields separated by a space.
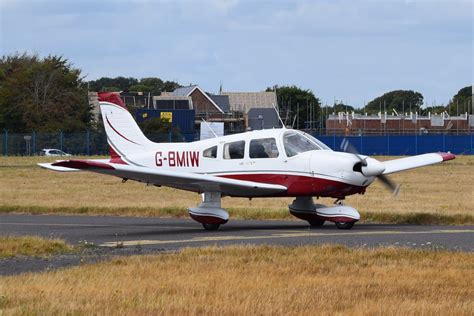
x=265 y=163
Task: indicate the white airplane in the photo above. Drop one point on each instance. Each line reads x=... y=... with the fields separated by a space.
x=265 y=163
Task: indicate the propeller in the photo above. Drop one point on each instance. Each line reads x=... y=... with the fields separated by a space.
x=347 y=147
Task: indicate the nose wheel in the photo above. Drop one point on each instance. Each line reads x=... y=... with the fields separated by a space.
x=341 y=215
x=211 y=227
x=344 y=225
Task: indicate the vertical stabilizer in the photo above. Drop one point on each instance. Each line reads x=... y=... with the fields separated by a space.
x=123 y=134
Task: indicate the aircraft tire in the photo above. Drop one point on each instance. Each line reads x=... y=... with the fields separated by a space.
x=210 y=226
x=316 y=222
x=344 y=225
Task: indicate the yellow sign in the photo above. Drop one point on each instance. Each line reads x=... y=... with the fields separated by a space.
x=167 y=116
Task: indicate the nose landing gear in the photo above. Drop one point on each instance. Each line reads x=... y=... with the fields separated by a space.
x=316 y=214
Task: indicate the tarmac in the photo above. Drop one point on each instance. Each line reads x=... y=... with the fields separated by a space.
x=106 y=236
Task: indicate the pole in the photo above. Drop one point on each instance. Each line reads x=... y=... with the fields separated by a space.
x=388 y=145
x=297 y=115
x=33 y=136
x=61 y=140
x=403 y=118
x=457 y=119
x=6 y=141
x=88 y=143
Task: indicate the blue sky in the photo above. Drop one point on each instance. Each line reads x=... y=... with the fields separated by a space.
x=352 y=51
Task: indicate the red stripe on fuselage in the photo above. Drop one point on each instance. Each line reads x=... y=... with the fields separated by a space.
x=302 y=185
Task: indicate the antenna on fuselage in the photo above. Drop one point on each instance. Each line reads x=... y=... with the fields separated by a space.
x=210 y=128
x=278 y=114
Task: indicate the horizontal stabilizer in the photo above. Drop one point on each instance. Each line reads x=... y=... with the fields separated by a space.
x=50 y=166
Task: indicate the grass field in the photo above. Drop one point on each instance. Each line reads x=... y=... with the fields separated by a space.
x=11 y=246
x=436 y=194
x=254 y=281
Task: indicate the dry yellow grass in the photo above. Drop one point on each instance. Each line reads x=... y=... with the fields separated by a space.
x=254 y=281
x=11 y=246
x=439 y=190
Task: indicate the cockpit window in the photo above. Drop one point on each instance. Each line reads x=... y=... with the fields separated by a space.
x=295 y=143
x=234 y=150
x=263 y=148
x=210 y=152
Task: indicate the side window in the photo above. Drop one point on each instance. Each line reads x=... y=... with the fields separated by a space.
x=263 y=148
x=210 y=152
x=234 y=150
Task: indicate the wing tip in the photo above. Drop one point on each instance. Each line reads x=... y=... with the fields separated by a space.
x=447 y=156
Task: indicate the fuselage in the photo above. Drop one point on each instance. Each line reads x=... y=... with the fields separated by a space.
x=278 y=156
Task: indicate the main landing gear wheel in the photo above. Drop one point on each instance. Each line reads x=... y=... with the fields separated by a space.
x=344 y=225
x=316 y=222
x=211 y=226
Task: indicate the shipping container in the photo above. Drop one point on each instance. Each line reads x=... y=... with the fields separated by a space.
x=182 y=119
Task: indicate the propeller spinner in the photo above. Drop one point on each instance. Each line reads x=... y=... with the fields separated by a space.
x=370 y=167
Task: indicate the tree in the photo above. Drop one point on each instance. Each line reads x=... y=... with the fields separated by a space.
x=45 y=94
x=112 y=84
x=151 y=84
x=400 y=100
x=436 y=109
x=298 y=106
x=461 y=102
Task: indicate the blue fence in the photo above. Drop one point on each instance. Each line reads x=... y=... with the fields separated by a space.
x=394 y=145
x=95 y=143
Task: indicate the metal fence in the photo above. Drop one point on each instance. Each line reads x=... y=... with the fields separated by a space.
x=79 y=143
x=95 y=143
x=398 y=145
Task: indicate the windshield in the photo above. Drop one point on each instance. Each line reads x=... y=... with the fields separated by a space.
x=318 y=142
x=296 y=143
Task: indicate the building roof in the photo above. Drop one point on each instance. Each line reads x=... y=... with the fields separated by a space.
x=187 y=91
x=184 y=91
x=222 y=101
x=244 y=101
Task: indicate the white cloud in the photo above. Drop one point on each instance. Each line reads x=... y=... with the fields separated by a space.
x=224 y=5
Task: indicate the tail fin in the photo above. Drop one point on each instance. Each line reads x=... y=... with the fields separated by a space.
x=123 y=134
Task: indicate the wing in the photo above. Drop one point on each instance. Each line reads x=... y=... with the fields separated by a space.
x=401 y=164
x=176 y=179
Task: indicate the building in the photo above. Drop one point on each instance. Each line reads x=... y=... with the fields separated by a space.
x=239 y=111
x=205 y=104
x=137 y=99
x=262 y=118
x=412 y=123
